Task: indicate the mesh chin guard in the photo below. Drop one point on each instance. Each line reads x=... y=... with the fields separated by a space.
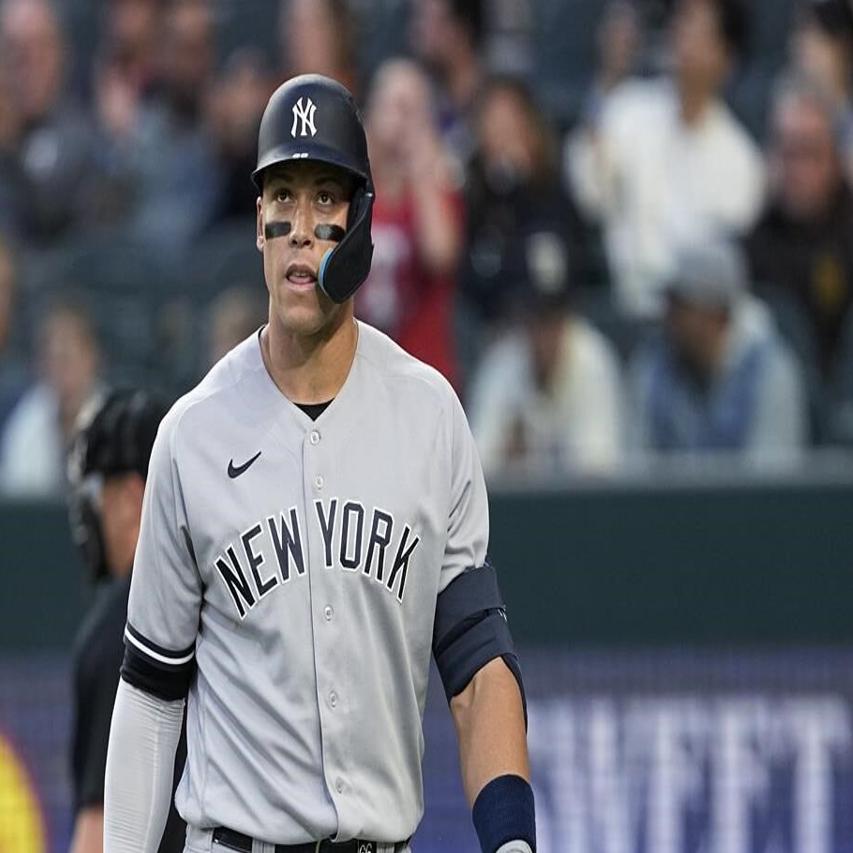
x=114 y=435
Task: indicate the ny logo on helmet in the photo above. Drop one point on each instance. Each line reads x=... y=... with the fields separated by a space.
x=303 y=111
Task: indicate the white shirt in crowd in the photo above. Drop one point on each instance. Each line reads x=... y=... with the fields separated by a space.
x=575 y=425
x=32 y=453
x=656 y=183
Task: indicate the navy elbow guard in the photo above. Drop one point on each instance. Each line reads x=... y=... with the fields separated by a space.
x=471 y=629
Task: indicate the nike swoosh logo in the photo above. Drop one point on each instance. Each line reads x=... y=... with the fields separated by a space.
x=236 y=470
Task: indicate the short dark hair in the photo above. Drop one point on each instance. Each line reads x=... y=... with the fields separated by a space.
x=834 y=17
x=732 y=22
x=469 y=13
x=733 y=19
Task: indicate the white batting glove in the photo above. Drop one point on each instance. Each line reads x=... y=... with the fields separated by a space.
x=515 y=847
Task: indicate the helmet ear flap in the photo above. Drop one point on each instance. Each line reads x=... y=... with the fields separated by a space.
x=345 y=267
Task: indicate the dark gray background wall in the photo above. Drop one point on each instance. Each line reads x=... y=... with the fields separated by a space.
x=638 y=564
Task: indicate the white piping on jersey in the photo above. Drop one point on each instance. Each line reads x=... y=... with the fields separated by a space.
x=152 y=654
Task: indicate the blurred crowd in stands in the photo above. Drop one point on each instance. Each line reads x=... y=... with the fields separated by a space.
x=655 y=274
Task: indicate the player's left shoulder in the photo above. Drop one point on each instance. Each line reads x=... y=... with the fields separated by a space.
x=407 y=375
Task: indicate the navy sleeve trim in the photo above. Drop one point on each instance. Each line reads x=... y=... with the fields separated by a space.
x=166 y=680
x=469 y=595
x=479 y=641
x=471 y=630
x=160 y=654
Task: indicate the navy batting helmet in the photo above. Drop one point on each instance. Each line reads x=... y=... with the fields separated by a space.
x=312 y=117
x=115 y=436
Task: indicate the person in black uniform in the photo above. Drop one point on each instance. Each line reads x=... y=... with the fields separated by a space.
x=108 y=465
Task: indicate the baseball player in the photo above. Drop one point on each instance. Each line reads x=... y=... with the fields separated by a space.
x=107 y=467
x=315 y=525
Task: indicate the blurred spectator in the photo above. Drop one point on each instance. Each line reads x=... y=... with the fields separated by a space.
x=822 y=51
x=125 y=75
x=447 y=35
x=53 y=143
x=34 y=442
x=547 y=396
x=232 y=316
x=236 y=106
x=513 y=191
x=171 y=154
x=417 y=219
x=127 y=67
x=822 y=48
x=12 y=374
x=11 y=188
x=667 y=162
x=108 y=466
x=803 y=245
x=719 y=378
x=619 y=42
x=319 y=37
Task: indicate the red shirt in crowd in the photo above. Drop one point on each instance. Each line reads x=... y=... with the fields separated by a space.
x=401 y=296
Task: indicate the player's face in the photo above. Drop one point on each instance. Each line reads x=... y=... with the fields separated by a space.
x=300 y=199
x=120 y=507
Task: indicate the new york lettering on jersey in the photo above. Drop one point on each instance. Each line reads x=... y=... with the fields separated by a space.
x=348 y=544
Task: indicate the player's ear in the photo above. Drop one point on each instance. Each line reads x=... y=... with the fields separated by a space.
x=259 y=234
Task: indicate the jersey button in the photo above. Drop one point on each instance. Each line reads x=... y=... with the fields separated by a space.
x=328 y=612
x=333 y=700
x=318 y=482
x=314 y=438
x=339 y=785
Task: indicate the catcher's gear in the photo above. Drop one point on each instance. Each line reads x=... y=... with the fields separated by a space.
x=312 y=117
x=114 y=436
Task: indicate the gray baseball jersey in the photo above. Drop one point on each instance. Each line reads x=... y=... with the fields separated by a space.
x=300 y=562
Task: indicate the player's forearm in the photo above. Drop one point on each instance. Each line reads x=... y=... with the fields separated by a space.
x=89 y=831
x=140 y=761
x=489 y=720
